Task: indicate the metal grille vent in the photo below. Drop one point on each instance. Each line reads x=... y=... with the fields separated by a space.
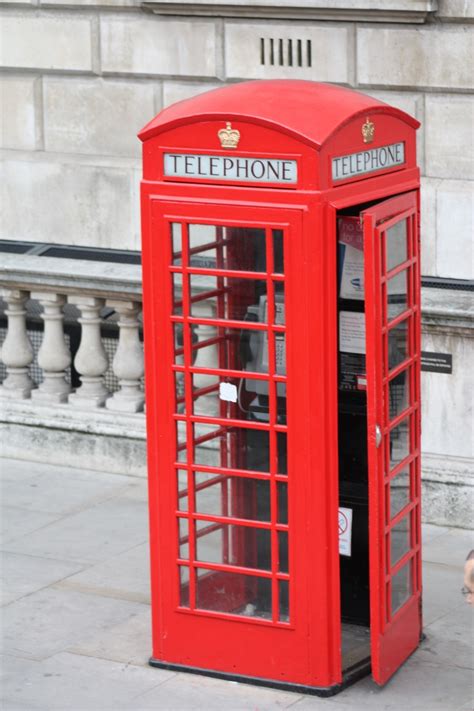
x=285 y=52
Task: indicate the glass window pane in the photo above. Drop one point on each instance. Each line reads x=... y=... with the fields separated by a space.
x=401 y=587
x=230 y=248
x=280 y=358
x=177 y=284
x=228 y=298
x=228 y=348
x=183 y=532
x=399 y=443
x=176 y=242
x=184 y=586
x=397 y=294
x=282 y=453
x=396 y=244
x=283 y=551
x=399 y=492
x=234 y=593
x=178 y=343
x=278 y=259
x=181 y=441
x=243 y=546
x=233 y=398
x=398 y=394
x=282 y=495
x=399 y=540
x=279 y=306
x=234 y=349
x=182 y=483
x=398 y=344
x=283 y=601
x=231 y=447
x=227 y=495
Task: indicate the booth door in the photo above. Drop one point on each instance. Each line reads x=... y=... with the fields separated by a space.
x=391 y=241
x=228 y=474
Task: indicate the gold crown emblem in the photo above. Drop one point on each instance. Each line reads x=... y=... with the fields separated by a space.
x=228 y=136
x=368 y=131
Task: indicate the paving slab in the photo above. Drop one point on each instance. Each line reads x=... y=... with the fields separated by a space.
x=429 y=531
x=417 y=686
x=16 y=522
x=90 y=536
x=77 y=627
x=449 y=639
x=441 y=590
x=451 y=548
x=190 y=691
x=137 y=490
x=58 y=490
x=71 y=682
x=128 y=642
x=14 y=469
x=123 y=576
x=50 y=621
x=24 y=574
x=10 y=705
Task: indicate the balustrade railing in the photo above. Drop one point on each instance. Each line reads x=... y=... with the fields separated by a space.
x=95 y=290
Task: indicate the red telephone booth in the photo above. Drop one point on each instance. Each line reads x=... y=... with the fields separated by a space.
x=282 y=336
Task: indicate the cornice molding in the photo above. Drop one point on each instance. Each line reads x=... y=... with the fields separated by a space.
x=412 y=11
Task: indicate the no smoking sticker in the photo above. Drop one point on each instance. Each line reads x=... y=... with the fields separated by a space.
x=345 y=531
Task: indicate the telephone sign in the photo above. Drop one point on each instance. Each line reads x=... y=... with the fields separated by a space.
x=255 y=170
x=368 y=161
x=282 y=335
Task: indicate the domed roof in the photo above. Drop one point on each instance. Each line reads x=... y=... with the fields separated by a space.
x=309 y=111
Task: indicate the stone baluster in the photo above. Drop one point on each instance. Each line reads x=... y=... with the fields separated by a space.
x=128 y=363
x=205 y=358
x=53 y=356
x=17 y=351
x=91 y=361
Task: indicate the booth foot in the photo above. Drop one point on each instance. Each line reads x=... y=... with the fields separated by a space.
x=350 y=676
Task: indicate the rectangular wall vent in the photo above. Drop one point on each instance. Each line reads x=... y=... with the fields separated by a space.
x=277 y=52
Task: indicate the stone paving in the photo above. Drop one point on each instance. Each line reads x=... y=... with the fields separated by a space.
x=76 y=617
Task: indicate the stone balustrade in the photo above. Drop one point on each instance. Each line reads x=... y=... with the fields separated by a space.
x=87 y=406
x=91 y=287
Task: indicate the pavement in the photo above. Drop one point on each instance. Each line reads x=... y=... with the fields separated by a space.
x=75 y=613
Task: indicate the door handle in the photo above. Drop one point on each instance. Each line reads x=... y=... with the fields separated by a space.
x=378 y=436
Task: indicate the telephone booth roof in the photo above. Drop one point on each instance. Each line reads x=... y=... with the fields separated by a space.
x=309 y=111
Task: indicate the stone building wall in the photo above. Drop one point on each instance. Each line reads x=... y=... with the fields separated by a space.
x=81 y=78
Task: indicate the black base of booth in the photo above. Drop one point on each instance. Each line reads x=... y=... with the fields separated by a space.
x=350 y=676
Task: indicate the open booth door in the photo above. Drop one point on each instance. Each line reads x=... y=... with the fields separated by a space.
x=393 y=386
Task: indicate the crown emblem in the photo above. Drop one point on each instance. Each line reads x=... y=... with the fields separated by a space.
x=368 y=131
x=228 y=136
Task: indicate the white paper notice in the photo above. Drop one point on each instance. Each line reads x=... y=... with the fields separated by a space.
x=345 y=531
x=351 y=332
x=352 y=280
x=228 y=392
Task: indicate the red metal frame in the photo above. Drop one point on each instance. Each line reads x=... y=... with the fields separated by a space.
x=393 y=636
x=306 y=649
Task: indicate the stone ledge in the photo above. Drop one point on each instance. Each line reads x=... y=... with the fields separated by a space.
x=447 y=490
x=116 y=454
x=455 y=10
x=64 y=418
x=447 y=308
x=413 y=11
x=70 y=276
x=447 y=469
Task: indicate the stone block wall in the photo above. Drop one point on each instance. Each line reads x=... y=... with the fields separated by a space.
x=81 y=77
